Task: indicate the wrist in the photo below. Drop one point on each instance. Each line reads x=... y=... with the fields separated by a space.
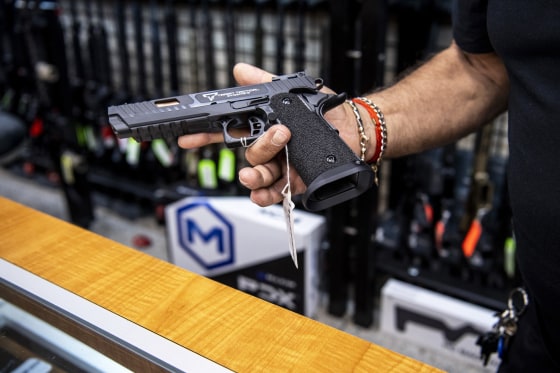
x=361 y=134
x=369 y=125
x=379 y=136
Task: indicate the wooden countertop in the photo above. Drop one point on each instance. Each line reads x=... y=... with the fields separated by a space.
x=231 y=328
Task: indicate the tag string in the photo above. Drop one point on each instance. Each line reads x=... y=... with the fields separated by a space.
x=288 y=208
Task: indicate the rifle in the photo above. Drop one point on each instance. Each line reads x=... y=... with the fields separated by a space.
x=20 y=95
x=105 y=76
x=46 y=44
x=218 y=160
x=329 y=168
x=280 y=39
x=6 y=56
x=488 y=209
x=355 y=53
x=479 y=202
x=157 y=68
x=91 y=47
x=99 y=68
x=79 y=96
x=106 y=90
x=374 y=19
x=447 y=233
x=500 y=225
x=194 y=36
x=172 y=46
x=259 y=33
x=426 y=203
x=210 y=68
x=337 y=258
x=13 y=131
x=370 y=33
x=79 y=70
x=230 y=39
x=415 y=200
x=96 y=89
x=159 y=148
x=132 y=148
x=5 y=52
x=139 y=50
x=124 y=56
x=357 y=39
x=299 y=57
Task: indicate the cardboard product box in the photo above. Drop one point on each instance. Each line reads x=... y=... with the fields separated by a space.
x=236 y=242
x=436 y=321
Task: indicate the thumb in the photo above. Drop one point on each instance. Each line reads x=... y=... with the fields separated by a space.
x=248 y=74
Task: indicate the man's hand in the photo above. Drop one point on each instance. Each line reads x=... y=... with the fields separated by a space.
x=267 y=176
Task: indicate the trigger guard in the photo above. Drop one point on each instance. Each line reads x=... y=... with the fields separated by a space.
x=256 y=129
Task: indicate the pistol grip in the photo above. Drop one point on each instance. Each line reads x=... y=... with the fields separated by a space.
x=330 y=169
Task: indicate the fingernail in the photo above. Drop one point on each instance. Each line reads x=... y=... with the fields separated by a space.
x=241 y=176
x=279 y=138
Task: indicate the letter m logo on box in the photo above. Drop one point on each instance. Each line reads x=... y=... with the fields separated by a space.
x=205 y=235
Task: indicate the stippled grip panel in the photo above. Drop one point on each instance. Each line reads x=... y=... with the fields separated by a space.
x=329 y=168
x=315 y=146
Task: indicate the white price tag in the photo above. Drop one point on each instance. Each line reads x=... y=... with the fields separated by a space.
x=288 y=212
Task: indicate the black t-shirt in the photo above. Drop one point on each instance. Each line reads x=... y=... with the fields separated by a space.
x=526 y=35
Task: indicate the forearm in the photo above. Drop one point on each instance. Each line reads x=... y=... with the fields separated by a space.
x=443 y=100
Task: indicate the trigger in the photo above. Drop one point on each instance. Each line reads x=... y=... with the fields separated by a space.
x=257 y=126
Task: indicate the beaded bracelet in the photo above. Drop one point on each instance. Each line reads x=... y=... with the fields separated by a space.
x=380 y=132
x=361 y=130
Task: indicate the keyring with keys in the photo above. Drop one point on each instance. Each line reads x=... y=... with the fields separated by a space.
x=497 y=340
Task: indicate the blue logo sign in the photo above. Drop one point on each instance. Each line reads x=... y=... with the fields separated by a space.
x=205 y=235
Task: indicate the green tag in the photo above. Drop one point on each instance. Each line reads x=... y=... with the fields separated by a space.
x=132 y=152
x=81 y=135
x=207 y=174
x=162 y=152
x=91 y=138
x=191 y=162
x=226 y=165
x=67 y=167
x=509 y=257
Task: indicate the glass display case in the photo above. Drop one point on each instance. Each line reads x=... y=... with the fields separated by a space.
x=28 y=344
x=33 y=311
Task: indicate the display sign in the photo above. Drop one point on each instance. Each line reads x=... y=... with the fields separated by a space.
x=236 y=242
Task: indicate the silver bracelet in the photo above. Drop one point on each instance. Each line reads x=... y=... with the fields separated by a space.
x=361 y=131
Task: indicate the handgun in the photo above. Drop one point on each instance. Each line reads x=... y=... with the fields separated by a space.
x=328 y=167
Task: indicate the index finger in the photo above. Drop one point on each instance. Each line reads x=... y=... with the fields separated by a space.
x=198 y=140
x=268 y=145
x=246 y=74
